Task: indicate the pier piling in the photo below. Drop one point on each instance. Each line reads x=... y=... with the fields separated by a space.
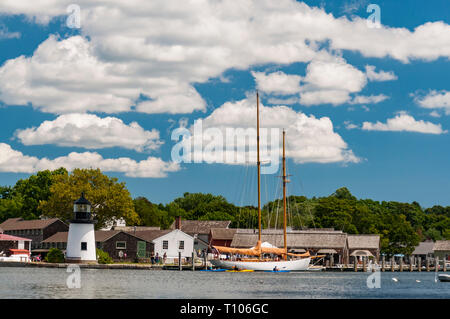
x=355 y=263
x=193 y=261
x=428 y=264
x=401 y=264
x=419 y=264
x=392 y=263
x=383 y=262
x=179 y=261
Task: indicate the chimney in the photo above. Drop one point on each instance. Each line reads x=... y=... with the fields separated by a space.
x=178 y=222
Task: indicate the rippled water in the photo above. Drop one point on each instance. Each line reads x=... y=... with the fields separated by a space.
x=97 y=283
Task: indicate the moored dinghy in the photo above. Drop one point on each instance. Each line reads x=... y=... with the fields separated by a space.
x=444 y=277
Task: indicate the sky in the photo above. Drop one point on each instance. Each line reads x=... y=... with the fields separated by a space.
x=360 y=87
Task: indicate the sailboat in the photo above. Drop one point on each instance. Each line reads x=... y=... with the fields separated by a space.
x=301 y=261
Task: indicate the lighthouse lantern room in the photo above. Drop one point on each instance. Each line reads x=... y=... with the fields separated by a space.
x=81 y=238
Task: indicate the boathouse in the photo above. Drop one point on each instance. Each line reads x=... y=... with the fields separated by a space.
x=424 y=250
x=37 y=229
x=363 y=246
x=441 y=249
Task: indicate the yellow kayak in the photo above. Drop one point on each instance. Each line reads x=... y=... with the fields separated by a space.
x=243 y=270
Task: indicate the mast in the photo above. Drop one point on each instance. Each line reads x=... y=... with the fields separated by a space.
x=284 y=196
x=259 y=167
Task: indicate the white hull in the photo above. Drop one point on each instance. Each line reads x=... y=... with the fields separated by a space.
x=292 y=265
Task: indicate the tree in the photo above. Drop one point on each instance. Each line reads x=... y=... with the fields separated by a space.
x=149 y=214
x=103 y=257
x=110 y=199
x=343 y=193
x=54 y=255
x=32 y=190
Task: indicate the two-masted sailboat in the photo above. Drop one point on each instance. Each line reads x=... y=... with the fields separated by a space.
x=258 y=263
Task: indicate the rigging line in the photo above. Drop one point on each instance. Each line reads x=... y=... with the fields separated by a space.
x=275 y=201
x=241 y=201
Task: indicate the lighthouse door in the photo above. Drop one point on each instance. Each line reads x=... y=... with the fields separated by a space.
x=141 y=249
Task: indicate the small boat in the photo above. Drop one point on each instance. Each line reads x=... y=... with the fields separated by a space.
x=444 y=277
x=213 y=269
x=277 y=271
x=241 y=270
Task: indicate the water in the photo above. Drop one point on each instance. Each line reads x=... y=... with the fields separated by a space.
x=108 y=283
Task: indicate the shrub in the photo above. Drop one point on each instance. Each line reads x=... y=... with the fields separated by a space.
x=103 y=257
x=54 y=256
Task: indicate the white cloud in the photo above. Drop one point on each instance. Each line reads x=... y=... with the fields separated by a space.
x=372 y=75
x=309 y=139
x=159 y=49
x=66 y=76
x=5 y=34
x=435 y=114
x=405 y=122
x=16 y=162
x=91 y=132
x=330 y=79
x=350 y=126
x=435 y=100
x=372 y=99
x=278 y=83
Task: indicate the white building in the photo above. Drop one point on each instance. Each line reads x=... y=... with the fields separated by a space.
x=81 y=239
x=169 y=242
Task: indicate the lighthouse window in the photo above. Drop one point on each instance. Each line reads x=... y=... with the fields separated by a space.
x=83 y=246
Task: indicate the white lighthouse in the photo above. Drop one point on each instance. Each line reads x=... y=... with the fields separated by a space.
x=81 y=239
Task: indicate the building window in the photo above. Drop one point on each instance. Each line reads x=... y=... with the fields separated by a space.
x=121 y=245
x=165 y=244
x=83 y=246
x=181 y=245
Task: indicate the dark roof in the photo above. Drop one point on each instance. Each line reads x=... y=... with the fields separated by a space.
x=82 y=200
x=131 y=229
x=442 y=245
x=424 y=248
x=150 y=235
x=100 y=236
x=223 y=233
x=294 y=240
x=201 y=226
x=363 y=241
x=20 y=224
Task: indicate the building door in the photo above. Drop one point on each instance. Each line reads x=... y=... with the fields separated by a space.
x=141 y=249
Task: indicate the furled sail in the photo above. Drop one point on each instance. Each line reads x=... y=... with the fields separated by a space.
x=255 y=251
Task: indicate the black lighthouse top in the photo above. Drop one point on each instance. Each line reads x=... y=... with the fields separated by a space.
x=82 y=211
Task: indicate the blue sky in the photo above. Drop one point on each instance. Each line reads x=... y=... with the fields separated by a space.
x=406 y=160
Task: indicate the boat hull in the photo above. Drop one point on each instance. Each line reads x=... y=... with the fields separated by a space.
x=444 y=278
x=292 y=265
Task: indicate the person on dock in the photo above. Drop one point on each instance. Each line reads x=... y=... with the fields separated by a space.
x=164 y=258
x=275 y=268
x=152 y=258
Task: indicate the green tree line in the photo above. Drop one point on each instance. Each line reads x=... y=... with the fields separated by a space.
x=401 y=226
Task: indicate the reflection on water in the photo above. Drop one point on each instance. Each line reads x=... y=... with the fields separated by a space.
x=97 y=283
